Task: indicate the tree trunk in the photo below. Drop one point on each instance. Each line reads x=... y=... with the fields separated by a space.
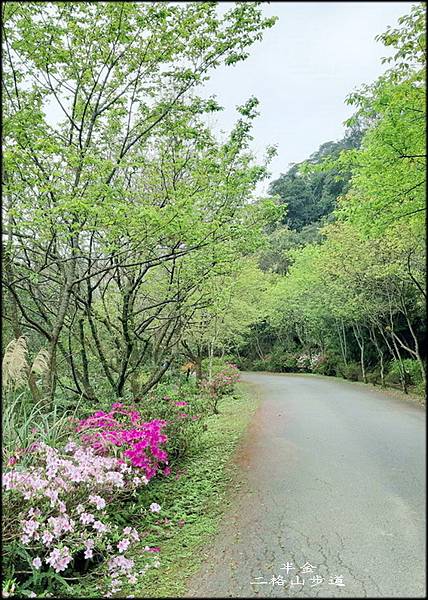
x=210 y=359
x=156 y=377
x=380 y=354
x=360 y=341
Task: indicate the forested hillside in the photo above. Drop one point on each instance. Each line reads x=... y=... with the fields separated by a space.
x=350 y=251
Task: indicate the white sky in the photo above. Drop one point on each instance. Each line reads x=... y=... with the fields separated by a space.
x=301 y=72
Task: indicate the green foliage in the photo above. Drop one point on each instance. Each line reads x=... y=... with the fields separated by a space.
x=25 y=423
x=374 y=377
x=123 y=210
x=408 y=368
x=353 y=291
x=311 y=194
x=351 y=371
x=188 y=503
x=184 y=432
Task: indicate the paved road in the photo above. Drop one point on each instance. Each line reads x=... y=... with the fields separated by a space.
x=334 y=476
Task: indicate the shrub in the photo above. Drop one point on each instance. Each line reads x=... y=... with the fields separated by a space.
x=289 y=363
x=260 y=364
x=183 y=409
x=373 y=377
x=411 y=368
x=56 y=521
x=220 y=384
x=326 y=364
x=139 y=441
x=351 y=371
x=304 y=362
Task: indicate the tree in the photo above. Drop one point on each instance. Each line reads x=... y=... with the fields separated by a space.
x=126 y=181
x=311 y=194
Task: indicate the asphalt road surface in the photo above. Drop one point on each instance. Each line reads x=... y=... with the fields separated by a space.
x=333 y=495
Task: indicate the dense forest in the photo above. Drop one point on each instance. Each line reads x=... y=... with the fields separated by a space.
x=138 y=262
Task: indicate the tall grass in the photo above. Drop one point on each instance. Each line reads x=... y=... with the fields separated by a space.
x=25 y=422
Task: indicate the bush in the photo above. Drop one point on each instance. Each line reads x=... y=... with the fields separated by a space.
x=304 y=362
x=412 y=372
x=326 y=365
x=373 y=377
x=277 y=362
x=352 y=371
x=218 y=364
x=222 y=383
x=124 y=432
x=260 y=364
x=290 y=363
x=183 y=408
x=56 y=524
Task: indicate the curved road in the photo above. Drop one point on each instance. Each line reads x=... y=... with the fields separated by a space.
x=334 y=476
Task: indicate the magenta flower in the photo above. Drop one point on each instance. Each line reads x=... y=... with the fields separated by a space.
x=181 y=403
x=141 y=441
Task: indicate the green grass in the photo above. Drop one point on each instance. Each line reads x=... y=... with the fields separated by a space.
x=197 y=498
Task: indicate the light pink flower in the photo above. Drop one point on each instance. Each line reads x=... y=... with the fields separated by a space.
x=47 y=538
x=99 y=502
x=87 y=518
x=154 y=507
x=123 y=545
x=100 y=527
x=59 y=559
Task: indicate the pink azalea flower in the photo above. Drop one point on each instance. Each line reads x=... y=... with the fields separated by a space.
x=123 y=545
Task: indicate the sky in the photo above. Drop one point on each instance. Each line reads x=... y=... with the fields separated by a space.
x=315 y=55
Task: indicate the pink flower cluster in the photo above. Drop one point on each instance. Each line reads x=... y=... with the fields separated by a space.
x=125 y=428
x=60 y=503
x=310 y=362
x=222 y=381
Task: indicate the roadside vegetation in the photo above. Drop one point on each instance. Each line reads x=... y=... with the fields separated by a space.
x=141 y=272
x=348 y=296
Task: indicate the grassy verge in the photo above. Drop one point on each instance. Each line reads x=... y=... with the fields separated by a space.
x=193 y=504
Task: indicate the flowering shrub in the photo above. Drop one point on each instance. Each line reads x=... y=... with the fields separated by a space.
x=316 y=361
x=183 y=418
x=56 y=517
x=126 y=429
x=221 y=383
x=304 y=362
x=313 y=363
